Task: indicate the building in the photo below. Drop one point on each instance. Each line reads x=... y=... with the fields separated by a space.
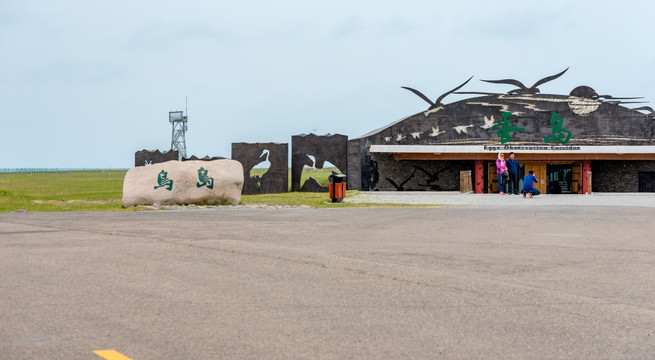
x=562 y=138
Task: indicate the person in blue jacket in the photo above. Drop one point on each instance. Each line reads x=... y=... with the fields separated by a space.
x=528 y=185
x=513 y=169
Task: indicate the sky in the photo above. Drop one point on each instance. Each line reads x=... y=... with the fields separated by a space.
x=86 y=84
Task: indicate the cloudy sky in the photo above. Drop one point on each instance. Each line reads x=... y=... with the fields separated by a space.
x=89 y=83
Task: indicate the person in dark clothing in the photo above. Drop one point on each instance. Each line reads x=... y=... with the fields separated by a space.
x=513 y=169
x=554 y=187
x=528 y=185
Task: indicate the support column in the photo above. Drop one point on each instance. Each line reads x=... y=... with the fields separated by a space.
x=586 y=167
x=479 y=176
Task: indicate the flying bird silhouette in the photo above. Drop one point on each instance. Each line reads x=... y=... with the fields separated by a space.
x=438 y=102
x=488 y=123
x=477 y=93
x=645 y=108
x=617 y=102
x=401 y=187
x=432 y=177
x=589 y=93
x=436 y=132
x=522 y=88
x=462 y=128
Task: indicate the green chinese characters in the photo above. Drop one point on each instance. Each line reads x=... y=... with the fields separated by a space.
x=204 y=180
x=164 y=181
x=560 y=134
x=504 y=128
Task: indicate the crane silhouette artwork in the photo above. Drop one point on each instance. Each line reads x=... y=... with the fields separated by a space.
x=266 y=164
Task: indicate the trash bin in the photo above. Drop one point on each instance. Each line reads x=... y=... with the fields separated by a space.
x=337 y=186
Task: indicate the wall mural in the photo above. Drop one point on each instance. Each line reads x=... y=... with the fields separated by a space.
x=428 y=181
x=314 y=151
x=419 y=175
x=370 y=173
x=265 y=167
x=401 y=186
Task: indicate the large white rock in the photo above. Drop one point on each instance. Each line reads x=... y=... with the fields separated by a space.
x=184 y=182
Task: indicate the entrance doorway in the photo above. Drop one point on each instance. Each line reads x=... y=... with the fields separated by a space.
x=563 y=177
x=539 y=168
x=646 y=181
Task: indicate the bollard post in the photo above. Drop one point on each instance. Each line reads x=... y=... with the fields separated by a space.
x=589 y=182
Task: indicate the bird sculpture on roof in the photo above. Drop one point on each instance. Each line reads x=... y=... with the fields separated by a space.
x=438 y=102
x=587 y=92
x=523 y=90
x=650 y=110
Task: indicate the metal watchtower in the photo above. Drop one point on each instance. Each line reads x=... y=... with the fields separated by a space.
x=178 y=139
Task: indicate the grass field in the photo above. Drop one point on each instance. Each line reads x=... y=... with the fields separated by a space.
x=102 y=190
x=62 y=191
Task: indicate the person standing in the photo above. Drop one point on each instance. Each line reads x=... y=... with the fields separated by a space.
x=528 y=185
x=501 y=170
x=513 y=170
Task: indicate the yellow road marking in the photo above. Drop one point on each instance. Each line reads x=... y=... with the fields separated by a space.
x=111 y=355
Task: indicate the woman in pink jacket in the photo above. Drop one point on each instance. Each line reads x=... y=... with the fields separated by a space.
x=501 y=169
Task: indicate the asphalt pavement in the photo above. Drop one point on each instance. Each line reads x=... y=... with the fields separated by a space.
x=467 y=281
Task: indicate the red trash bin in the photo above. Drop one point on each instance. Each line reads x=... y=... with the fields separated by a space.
x=337 y=187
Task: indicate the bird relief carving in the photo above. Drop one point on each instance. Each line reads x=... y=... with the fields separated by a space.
x=462 y=128
x=400 y=137
x=416 y=135
x=435 y=132
x=488 y=123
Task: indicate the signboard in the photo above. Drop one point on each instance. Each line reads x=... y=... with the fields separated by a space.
x=541 y=149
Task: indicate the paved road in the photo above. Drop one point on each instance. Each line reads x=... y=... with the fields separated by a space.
x=452 y=282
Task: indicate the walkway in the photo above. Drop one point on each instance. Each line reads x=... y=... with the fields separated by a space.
x=457 y=198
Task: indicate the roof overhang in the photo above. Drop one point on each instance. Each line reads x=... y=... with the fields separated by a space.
x=446 y=152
